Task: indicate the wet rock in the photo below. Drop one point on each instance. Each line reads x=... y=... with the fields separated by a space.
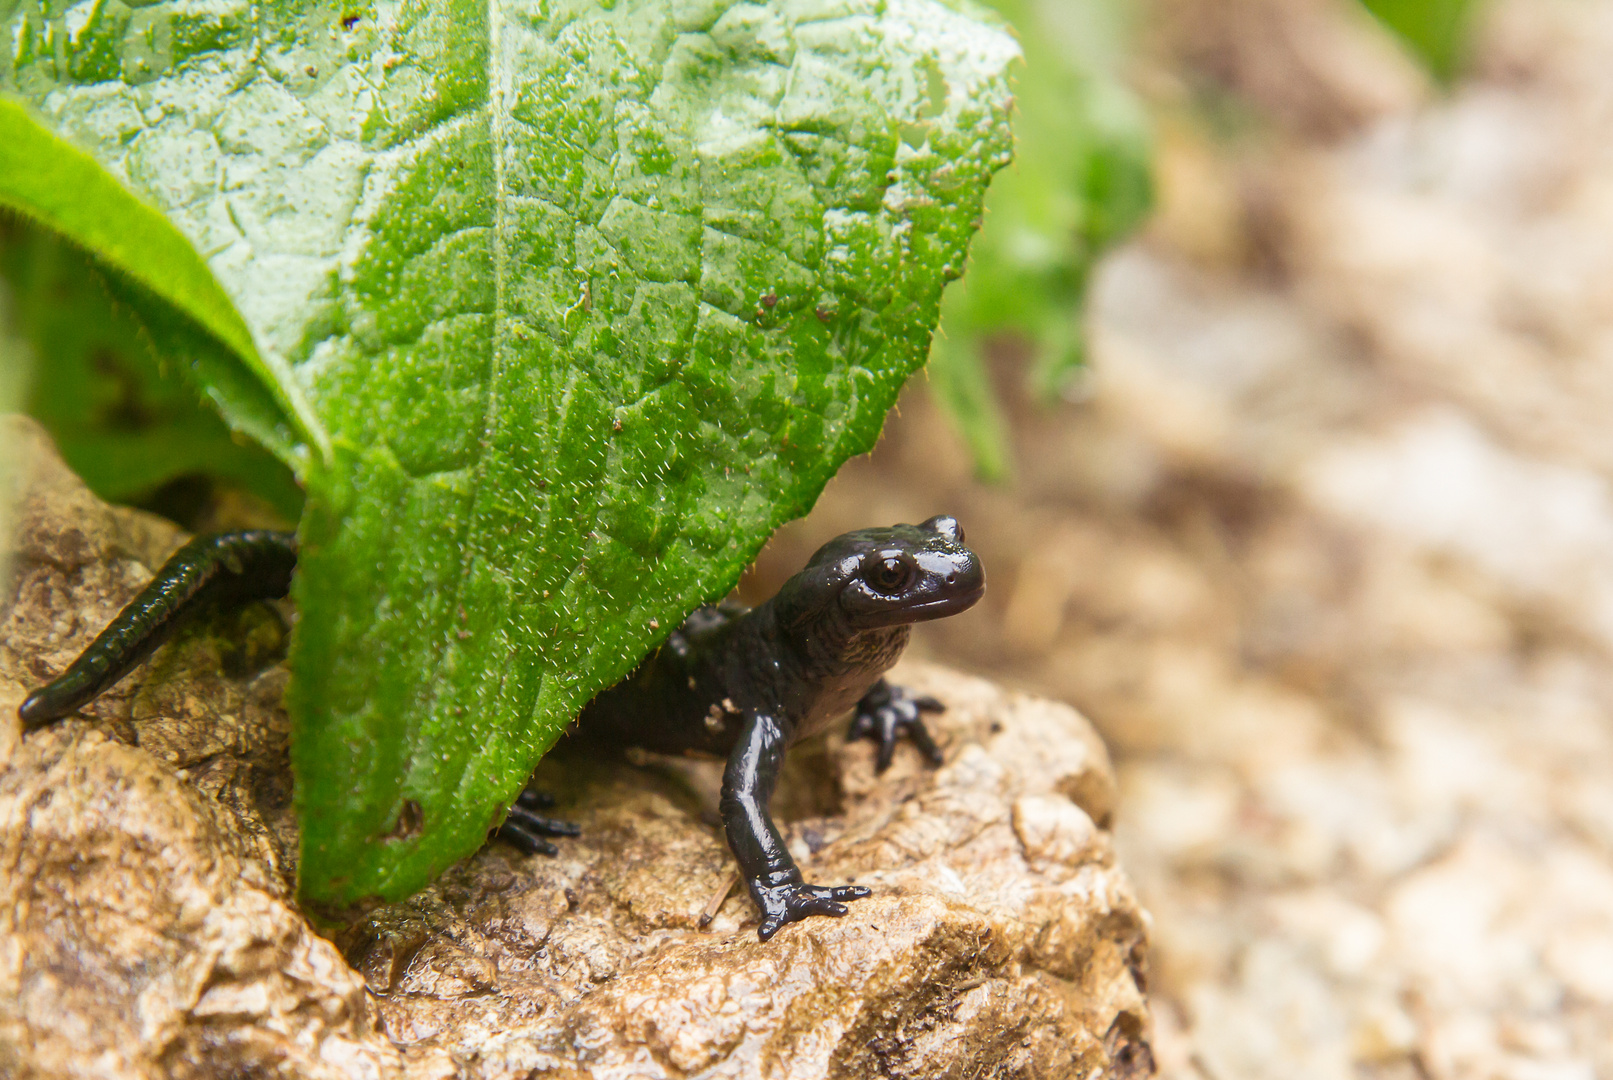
x=148 y=925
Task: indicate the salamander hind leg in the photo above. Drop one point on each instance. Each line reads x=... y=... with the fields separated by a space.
x=525 y=828
x=888 y=712
x=231 y=568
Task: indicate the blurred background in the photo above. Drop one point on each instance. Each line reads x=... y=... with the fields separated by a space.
x=1276 y=403
x=1321 y=534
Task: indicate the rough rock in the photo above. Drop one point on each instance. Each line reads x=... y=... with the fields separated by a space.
x=148 y=927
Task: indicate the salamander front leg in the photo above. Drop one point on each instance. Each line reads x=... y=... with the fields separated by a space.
x=525 y=828
x=886 y=713
x=771 y=875
x=232 y=568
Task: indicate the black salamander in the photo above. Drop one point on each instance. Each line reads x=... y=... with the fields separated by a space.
x=743 y=685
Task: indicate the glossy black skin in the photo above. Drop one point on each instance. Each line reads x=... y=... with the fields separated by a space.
x=739 y=684
x=234 y=568
x=746 y=685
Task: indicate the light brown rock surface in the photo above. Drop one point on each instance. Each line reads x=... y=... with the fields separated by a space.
x=147 y=927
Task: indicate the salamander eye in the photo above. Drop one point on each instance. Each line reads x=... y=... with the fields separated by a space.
x=889 y=576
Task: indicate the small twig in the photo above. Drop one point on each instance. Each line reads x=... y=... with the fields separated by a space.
x=717 y=898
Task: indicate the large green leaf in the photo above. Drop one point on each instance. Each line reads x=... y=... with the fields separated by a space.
x=161 y=277
x=588 y=297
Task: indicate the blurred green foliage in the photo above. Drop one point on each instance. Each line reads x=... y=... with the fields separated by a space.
x=1079 y=183
x=103 y=386
x=1436 y=30
x=16 y=365
x=16 y=358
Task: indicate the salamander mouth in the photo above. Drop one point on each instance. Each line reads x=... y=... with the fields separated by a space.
x=943 y=606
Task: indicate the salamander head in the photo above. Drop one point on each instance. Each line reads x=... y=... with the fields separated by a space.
x=875 y=578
